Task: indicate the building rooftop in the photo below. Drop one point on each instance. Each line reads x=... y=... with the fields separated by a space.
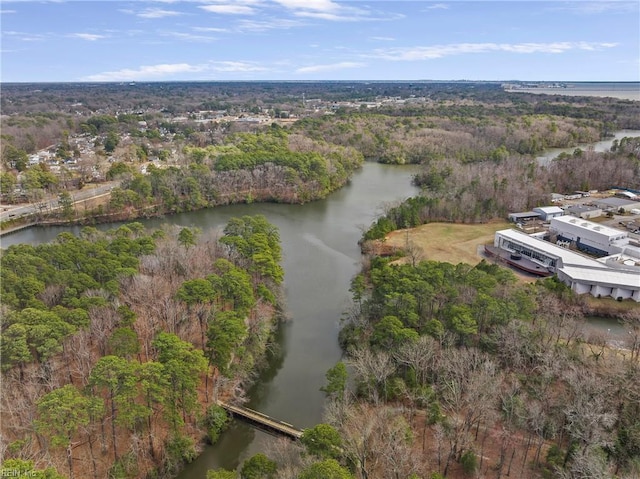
x=615 y=278
x=615 y=202
x=567 y=256
x=549 y=209
x=589 y=225
x=525 y=214
x=626 y=194
x=581 y=208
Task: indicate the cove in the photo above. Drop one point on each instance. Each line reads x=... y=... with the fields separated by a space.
x=321 y=255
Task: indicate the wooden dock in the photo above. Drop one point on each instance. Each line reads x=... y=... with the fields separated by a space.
x=262 y=421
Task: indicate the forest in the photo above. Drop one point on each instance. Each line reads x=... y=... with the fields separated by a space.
x=247 y=167
x=117 y=344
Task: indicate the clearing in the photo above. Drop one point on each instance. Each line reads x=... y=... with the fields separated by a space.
x=448 y=242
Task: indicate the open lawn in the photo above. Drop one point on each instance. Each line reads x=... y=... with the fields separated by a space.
x=453 y=243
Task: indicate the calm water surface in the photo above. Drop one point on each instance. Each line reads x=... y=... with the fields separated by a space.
x=600 y=146
x=619 y=90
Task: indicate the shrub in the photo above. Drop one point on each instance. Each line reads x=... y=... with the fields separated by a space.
x=216 y=421
x=469 y=462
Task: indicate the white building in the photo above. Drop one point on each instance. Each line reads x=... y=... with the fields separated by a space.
x=548 y=212
x=583 y=211
x=588 y=236
x=626 y=194
x=615 y=204
x=612 y=276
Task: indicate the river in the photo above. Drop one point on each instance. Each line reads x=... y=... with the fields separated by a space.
x=604 y=145
x=320 y=256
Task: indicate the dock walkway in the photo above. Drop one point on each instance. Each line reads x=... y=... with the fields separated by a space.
x=262 y=421
x=15 y=229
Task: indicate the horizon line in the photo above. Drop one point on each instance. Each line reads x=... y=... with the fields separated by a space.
x=132 y=82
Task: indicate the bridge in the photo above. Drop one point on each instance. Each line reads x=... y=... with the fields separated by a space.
x=262 y=421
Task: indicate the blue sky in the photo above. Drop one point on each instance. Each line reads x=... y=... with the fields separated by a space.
x=48 y=41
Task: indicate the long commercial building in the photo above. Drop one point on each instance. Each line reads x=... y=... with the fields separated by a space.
x=617 y=276
x=593 y=238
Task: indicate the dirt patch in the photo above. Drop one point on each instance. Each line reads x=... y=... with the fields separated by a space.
x=86 y=206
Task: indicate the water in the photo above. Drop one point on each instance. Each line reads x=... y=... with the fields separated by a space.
x=321 y=255
x=600 y=146
x=619 y=90
x=614 y=332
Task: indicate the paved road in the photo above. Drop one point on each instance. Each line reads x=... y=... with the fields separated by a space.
x=11 y=211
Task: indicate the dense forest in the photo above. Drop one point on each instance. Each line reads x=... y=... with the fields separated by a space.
x=115 y=345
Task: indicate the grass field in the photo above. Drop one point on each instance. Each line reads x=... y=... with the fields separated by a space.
x=453 y=243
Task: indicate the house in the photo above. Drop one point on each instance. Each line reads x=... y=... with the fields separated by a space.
x=626 y=195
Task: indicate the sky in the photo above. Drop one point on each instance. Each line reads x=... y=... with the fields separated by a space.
x=301 y=40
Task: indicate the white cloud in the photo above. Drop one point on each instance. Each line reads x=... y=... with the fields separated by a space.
x=329 y=67
x=596 y=8
x=190 y=37
x=229 y=9
x=384 y=39
x=210 y=29
x=230 y=66
x=319 y=5
x=438 y=6
x=151 y=13
x=158 y=13
x=334 y=17
x=440 y=51
x=23 y=36
x=264 y=25
x=7 y=11
x=333 y=11
x=168 y=70
x=91 y=37
x=146 y=72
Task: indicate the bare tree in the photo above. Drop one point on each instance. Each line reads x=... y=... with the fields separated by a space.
x=421 y=356
x=372 y=369
x=631 y=324
x=288 y=456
